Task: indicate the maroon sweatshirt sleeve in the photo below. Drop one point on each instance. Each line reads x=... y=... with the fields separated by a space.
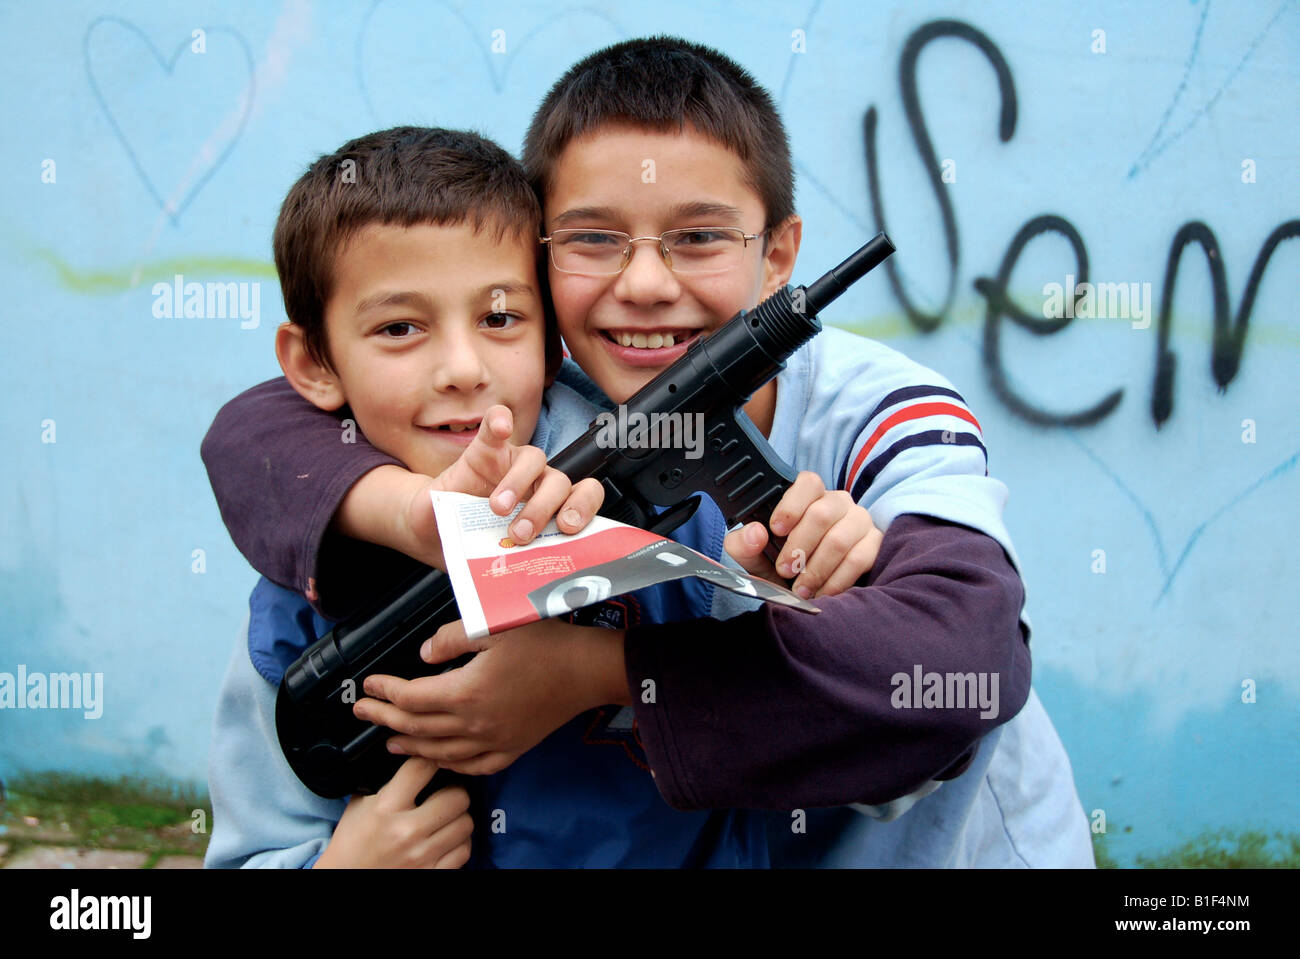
x=280 y=467
x=778 y=709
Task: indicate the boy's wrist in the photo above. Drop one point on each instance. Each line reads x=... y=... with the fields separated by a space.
x=390 y=506
x=416 y=525
x=592 y=661
x=603 y=667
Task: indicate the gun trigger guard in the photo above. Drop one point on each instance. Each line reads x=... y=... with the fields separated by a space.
x=675 y=517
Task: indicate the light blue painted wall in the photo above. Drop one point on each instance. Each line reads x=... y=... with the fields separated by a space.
x=171 y=161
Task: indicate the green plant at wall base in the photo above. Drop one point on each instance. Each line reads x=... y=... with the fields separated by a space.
x=1219 y=849
x=1223 y=849
x=1101 y=853
x=87 y=790
x=65 y=810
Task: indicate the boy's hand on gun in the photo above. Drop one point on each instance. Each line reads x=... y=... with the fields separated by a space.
x=388 y=831
x=524 y=684
x=831 y=541
x=492 y=466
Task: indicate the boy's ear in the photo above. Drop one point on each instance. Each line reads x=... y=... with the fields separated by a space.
x=782 y=250
x=314 y=381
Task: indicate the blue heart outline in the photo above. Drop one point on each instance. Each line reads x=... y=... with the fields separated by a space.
x=498 y=82
x=169 y=66
x=1170 y=573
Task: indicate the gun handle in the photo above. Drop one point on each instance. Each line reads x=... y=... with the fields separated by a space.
x=741 y=473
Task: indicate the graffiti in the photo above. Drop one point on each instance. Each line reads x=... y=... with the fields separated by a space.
x=929 y=322
x=1229 y=338
x=1225 y=358
x=999 y=306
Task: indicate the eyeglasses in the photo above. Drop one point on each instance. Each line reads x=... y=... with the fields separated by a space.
x=694 y=250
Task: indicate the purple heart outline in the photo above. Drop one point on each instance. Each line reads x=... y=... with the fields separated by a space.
x=498 y=81
x=169 y=66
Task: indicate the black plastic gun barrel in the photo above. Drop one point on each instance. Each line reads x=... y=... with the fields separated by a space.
x=823 y=292
x=335 y=754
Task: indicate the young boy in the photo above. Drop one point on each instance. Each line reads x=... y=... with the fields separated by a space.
x=392 y=280
x=763 y=709
x=411 y=287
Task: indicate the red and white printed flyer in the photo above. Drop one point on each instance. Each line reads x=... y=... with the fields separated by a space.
x=500 y=585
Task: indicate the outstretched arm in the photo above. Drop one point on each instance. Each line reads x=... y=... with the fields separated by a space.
x=317 y=509
x=778 y=709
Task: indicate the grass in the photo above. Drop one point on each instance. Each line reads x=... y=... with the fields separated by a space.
x=1219 y=849
x=1227 y=850
x=1101 y=853
x=157 y=818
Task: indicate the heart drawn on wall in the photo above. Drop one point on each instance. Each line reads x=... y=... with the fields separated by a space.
x=414 y=60
x=177 y=117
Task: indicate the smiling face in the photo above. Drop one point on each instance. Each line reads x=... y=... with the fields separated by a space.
x=599 y=182
x=428 y=326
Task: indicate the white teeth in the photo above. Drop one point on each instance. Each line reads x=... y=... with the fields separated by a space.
x=651 y=341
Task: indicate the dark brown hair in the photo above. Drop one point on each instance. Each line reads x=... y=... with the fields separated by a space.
x=403 y=177
x=665 y=83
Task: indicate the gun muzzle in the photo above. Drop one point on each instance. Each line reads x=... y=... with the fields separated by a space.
x=826 y=290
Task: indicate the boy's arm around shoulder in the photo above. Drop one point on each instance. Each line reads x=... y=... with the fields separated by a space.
x=263 y=817
x=779 y=709
x=280 y=468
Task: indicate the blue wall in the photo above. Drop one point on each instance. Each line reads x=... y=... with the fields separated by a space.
x=169 y=161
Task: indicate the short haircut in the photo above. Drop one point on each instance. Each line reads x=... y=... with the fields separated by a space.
x=401 y=177
x=664 y=83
